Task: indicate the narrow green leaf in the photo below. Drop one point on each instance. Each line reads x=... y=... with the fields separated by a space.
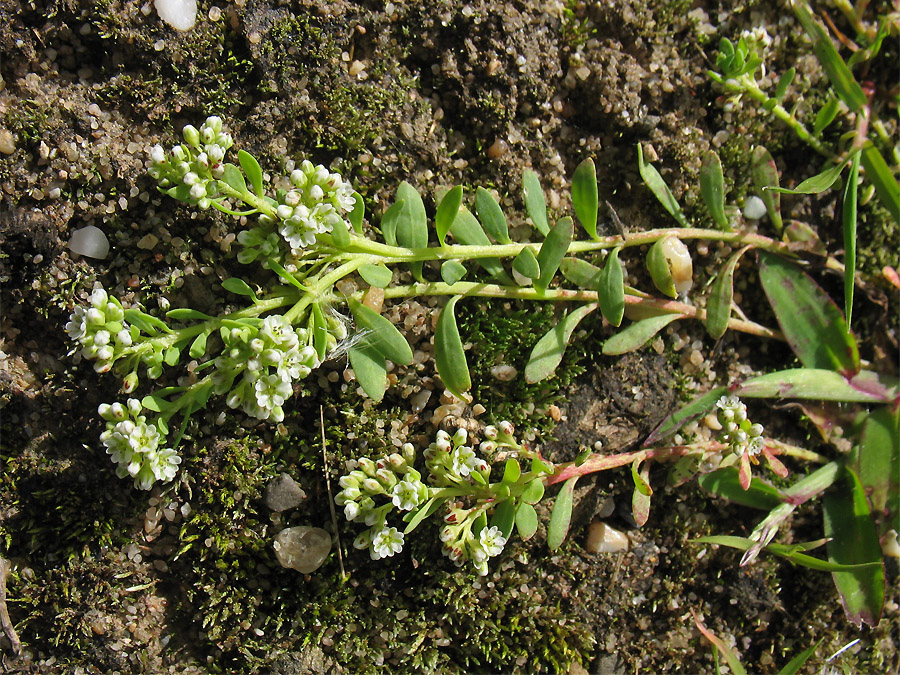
x=876 y=460
x=449 y=355
x=467 y=230
x=527 y=265
x=357 y=214
x=526 y=521
x=611 y=289
x=553 y=250
x=147 y=323
x=533 y=492
x=880 y=175
x=370 y=369
x=560 y=517
x=534 y=201
x=504 y=517
x=320 y=331
x=712 y=187
x=181 y=314
x=820 y=182
x=378 y=276
x=233 y=177
x=783 y=83
x=548 y=352
x=640 y=480
x=637 y=334
x=452 y=271
x=491 y=216
x=412 y=226
x=446 y=212
x=584 y=196
x=198 y=346
x=696 y=408
x=721 y=294
x=658 y=187
x=812 y=324
x=383 y=336
x=853 y=540
x=765 y=175
x=284 y=274
x=418 y=515
x=253 y=170
x=826 y=115
x=238 y=287
x=581 y=273
x=804 y=238
x=725 y=483
x=511 y=471
x=390 y=222
x=791 y=553
x=795 y=664
x=730 y=655
x=821 y=384
x=851 y=193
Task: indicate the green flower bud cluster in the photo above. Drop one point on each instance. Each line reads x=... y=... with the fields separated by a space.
x=742 y=436
x=451 y=462
x=101 y=330
x=133 y=444
x=466 y=537
x=391 y=480
x=194 y=167
x=270 y=357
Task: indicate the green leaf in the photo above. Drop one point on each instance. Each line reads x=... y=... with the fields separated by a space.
x=467 y=230
x=553 y=250
x=851 y=192
x=390 y=222
x=340 y=236
x=511 y=472
x=881 y=176
x=416 y=516
x=526 y=521
x=357 y=214
x=791 y=553
x=812 y=324
x=534 y=201
x=765 y=175
x=581 y=273
x=253 y=170
x=233 y=177
x=820 y=182
x=412 y=226
x=320 y=331
x=238 y=287
x=611 y=289
x=637 y=334
x=504 y=517
x=533 y=492
x=378 y=276
x=876 y=460
x=640 y=499
x=171 y=355
x=491 y=216
x=155 y=403
x=721 y=294
x=822 y=384
x=696 y=408
x=184 y=313
x=548 y=352
x=526 y=264
x=370 y=369
x=658 y=187
x=147 y=323
x=452 y=271
x=446 y=212
x=853 y=540
x=729 y=654
x=794 y=665
x=584 y=196
x=383 y=336
x=180 y=192
x=198 y=346
x=560 y=517
x=826 y=115
x=284 y=274
x=712 y=187
x=449 y=355
x=783 y=83
x=726 y=484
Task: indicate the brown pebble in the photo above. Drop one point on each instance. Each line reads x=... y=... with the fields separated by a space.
x=497 y=149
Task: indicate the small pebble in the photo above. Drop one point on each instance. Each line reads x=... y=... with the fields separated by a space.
x=302 y=548
x=603 y=538
x=89 y=241
x=7 y=142
x=754 y=208
x=283 y=493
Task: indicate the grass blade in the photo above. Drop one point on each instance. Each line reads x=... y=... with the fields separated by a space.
x=699 y=406
x=851 y=194
x=886 y=187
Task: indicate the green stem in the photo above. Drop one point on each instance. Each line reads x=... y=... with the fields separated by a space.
x=322 y=287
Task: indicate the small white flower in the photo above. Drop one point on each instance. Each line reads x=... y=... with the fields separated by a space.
x=386 y=543
x=271 y=391
x=464 y=461
x=406 y=495
x=491 y=540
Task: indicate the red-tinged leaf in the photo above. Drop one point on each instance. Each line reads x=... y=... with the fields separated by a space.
x=876 y=460
x=727 y=652
x=640 y=499
x=824 y=385
x=812 y=323
x=721 y=294
x=699 y=406
x=744 y=472
x=775 y=464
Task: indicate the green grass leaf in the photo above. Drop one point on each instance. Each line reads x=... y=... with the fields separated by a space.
x=548 y=352
x=561 y=516
x=821 y=384
x=820 y=182
x=253 y=170
x=712 y=187
x=672 y=423
x=658 y=187
x=721 y=294
x=491 y=216
x=584 y=196
x=848 y=217
x=880 y=175
x=611 y=289
x=449 y=355
x=637 y=334
x=383 y=336
x=794 y=665
x=553 y=250
x=534 y=201
x=446 y=212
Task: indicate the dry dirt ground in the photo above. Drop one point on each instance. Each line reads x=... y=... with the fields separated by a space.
x=107 y=578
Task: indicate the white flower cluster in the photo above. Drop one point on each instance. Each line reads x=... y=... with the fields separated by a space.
x=737 y=431
x=101 y=330
x=451 y=462
x=133 y=444
x=392 y=479
x=270 y=357
x=196 y=164
x=461 y=543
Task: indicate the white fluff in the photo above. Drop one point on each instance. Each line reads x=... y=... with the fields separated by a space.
x=89 y=241
x=180 y=14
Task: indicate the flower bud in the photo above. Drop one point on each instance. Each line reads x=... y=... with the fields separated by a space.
x=507 y=427
x=372 y=486
x=460 y=437
x=491 y=432
x=130 y=383
x=367 y=465
x=409 y=452
x=191 y=135
x=387 y=478
x=670 y=266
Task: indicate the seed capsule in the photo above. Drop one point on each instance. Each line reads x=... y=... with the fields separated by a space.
x=670 y=266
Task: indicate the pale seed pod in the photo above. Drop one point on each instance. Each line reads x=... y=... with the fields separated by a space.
x=670 y=266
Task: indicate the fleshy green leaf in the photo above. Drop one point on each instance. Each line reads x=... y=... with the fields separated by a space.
x=233 y=177
x=370 y=369
x=853 y=540
x=452 y=271
x=253 y=170
x=553 y=250
x=383 y=336
x=238 y=287
x=418 y=515
x=696 y=408
x=181 y=314
x=526 y=264
x=658 y=187
x=155 y=403
x=584 y=196
x=511 y=471
x=171 y=355
x=198 y=346
x=712 y=187
x=412 y=226
x=320 y=330
x=146 y=322
x=637 y=334
x=491 y=216
x=876 y=460
x=446 y=212
x=561 y=516
x=378 y=276
x=820 y=182
x=822 y=384
x=504 y=517
x=526 y=521
x=640 y=499
x=534 y=201
x=851 y=192
x=721 y=294
x=390 y=222
x=812 y=324
x=611 y=289
x=339 y=235
x=449 y=355
x=581 y=273
x=284 y=274
x=791 y=553
x=765 y=174
x=356 y=215
x=783 y=83
x=826 y=115
x=725 y=483
x=467 y=230
x=533 y=492
x=548 y=352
